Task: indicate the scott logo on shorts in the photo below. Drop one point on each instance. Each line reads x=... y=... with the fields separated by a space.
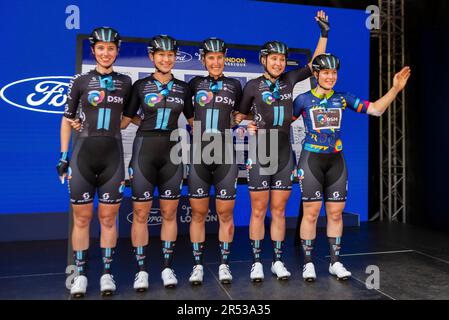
x=167 y=193
x=105 y=196
x=278 y=183
x=86 y=196
x=200 y=191
x=147 y=195
x=223 y=192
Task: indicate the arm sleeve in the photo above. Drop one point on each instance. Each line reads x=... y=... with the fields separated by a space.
x=133 y=104
x=298 y=106
x=238 y=95
x=73 y=97
x=244 y=106
x=188 y=106
x=355 y=104
x=297 y=75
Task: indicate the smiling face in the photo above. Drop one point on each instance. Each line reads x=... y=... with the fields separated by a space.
x=105 y=53
x=163 y=60
x=214 y=62
x=275 y=64
x=327 y=78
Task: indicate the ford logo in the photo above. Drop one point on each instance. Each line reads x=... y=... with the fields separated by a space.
x=41 y=94
x=154 y=219
x=182 y=56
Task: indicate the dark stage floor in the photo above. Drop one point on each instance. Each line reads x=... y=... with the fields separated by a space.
x=413 y=264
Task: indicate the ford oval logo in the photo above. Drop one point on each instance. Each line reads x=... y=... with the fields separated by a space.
x=182 y=56
x=41 y=94
x=154 y=219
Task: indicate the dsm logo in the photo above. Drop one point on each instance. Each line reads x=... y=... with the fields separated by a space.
x=41 y=94
x=182 y=56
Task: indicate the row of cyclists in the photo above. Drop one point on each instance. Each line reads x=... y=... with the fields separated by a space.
x=101 y=102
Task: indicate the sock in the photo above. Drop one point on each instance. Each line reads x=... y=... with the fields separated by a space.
x=307 y=247
x=106 y=254
x=277 y=250
x=335 y=247
x=80 y=258
x=198 y=248
x=141 y=255
x=255 y=244
x=225 y=251
x=167 y=251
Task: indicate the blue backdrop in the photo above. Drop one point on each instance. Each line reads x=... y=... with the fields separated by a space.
x=37 y=43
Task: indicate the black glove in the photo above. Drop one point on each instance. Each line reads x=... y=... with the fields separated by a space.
x=63 y=164
x=324 y=26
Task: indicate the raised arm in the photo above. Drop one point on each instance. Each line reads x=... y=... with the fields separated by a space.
x=399 y=81
x=323 y=22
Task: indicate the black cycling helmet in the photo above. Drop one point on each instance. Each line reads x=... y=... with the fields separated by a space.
x=162 y=42
x=273 y=47
x=325 y=61
x=104 y=34
x=213 y=45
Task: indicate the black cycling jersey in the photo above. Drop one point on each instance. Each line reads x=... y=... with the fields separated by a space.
x=99 y=100
x=97 y=158
x=160 y=104
x=272 y=104
x=214 y=102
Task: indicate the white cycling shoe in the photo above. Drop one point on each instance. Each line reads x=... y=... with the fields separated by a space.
x=257 y=272
x=337 y=269
x=169 y=278
x=196 y=277
x=141 y=281
x=224 y=274
x=79 y=287
x=107 y=285
x=278 y=268
x=308 y=272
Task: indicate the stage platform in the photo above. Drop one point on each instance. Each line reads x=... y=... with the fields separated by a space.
x=413 y=264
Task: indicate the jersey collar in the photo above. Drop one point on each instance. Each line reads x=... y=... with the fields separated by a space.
x=322 y=96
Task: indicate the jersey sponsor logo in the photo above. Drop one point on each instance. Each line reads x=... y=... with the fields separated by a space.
x=175 y=100
x=40 y=94
x=329 y=118
x=203 y=97
x=95 y=97
x=267 y=97
x=182 y=56
x=338 y=146
x=225 y=100
x=286 y=96
x=152 y=98
x=114 y=99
